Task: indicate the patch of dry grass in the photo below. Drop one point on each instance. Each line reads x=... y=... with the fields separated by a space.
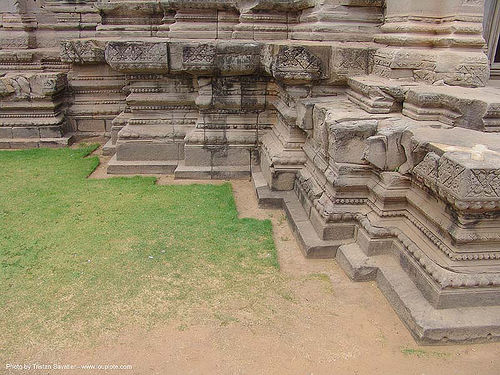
x=81 y=257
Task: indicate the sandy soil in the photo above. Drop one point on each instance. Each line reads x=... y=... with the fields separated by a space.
x=335 y=327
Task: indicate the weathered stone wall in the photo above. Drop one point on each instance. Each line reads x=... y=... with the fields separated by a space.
x=367 y=120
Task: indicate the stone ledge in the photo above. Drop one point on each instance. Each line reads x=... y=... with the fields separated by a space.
x=471 y=108
x=427 y=324
x=210 y=172
x=141 y=167
x=24 y=143
x=311 y=245
x=109 y=148
x=466 y=68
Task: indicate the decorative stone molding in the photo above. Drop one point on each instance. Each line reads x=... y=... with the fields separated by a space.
x=468 y=180
x=297 y=64
x=354 y=113
x=45 y=122
x=344 y=21
x=137 y=18
x=467 y=108
x=31 y=85
x=456 y=31
x=79 y=51
x=464 y=68
x=221 y=58
x=267 y=20
x=137 y=56
x=433 y=43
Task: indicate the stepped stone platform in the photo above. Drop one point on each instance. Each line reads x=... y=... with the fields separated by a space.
x=385 y=266
x=23 y=143
x=371 y=122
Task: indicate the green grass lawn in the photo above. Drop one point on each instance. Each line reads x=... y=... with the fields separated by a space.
x=80 y=257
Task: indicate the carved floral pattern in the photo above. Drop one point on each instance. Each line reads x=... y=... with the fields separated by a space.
x=137 y=56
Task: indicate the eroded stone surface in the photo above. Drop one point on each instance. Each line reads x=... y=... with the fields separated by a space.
x=377 y=129
x=132 y=56
x=82 y=51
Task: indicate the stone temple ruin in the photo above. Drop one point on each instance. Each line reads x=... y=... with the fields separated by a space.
x=373 y=123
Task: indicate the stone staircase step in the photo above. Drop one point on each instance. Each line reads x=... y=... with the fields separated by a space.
x=197 y=172
x=309 y=242
x=24 y=143
x=266 y=197
x=311 y=245
x=427 y=324
x=355 y=263
x=141 y=167
x=109 y=148
x=149 y=151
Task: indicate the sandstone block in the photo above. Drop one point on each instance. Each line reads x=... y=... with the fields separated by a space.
x=50 y=132
x=5 y=132
x=137 y=56
x=82 y=51
x=90 y=125
x=347 y=140
x=385 y=149
x=25 y=132
x=298 y=64
x=149 y=151
x=349 y=61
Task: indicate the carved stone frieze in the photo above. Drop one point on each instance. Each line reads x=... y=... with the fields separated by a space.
x=131 y=56
x=297 y=64
x=31 y=85
x=79 y=51
x=463 y=180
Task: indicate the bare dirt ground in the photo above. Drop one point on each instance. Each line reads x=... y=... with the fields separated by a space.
x=334 y=327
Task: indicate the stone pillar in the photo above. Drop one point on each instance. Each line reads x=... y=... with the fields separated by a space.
x=16 y=25
x=433 y=41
